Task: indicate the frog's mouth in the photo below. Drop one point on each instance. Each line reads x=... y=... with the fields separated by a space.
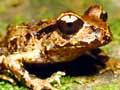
x=93 y=44
x=90 y=41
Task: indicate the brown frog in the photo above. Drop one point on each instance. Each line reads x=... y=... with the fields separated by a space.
x=58 y=40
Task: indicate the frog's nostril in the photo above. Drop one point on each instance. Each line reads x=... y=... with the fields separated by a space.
x=107 y=39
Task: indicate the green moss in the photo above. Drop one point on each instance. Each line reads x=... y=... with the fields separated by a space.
x=7 y=86
x=111 y=86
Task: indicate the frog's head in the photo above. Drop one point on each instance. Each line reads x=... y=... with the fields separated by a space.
x=90 y=30
x=71 y=34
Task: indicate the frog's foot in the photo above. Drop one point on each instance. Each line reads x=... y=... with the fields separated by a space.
x=7 y=78
x=5 y=74
x=38 y=84
x=113 y=66
x=107 y=69
x=14 y=64
x=55 y=79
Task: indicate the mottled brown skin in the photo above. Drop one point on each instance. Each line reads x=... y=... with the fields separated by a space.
x=58 y=40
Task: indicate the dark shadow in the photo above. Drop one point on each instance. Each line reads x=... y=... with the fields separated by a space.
x=86 y=64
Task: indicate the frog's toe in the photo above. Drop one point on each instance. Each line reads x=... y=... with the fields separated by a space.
x=38 y=84
x=7 y=78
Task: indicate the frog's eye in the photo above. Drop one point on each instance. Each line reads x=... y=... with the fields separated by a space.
x=69 y=24
x=104 y=16
x=98 y=12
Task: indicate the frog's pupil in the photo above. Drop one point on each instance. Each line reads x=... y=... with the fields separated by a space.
x=69 y=24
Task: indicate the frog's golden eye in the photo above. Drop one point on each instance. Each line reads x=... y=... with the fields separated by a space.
x=69 y=24
x=104 y=16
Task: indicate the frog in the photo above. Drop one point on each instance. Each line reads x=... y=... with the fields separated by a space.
x=61 y=39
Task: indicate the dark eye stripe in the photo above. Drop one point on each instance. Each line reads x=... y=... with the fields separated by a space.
x=45 y=30
x=68 y=24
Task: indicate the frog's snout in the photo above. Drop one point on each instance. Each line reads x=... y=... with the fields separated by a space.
x=107 y=39
x=108 y=36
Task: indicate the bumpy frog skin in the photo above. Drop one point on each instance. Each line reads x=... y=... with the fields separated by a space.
x=57 y=40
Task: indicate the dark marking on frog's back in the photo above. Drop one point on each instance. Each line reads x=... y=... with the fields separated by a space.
x=28 y=36
x=14 y=44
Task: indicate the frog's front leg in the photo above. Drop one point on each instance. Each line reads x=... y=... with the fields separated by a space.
x=13 y=63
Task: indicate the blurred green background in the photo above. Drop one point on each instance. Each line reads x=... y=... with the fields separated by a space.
x=19 y=11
